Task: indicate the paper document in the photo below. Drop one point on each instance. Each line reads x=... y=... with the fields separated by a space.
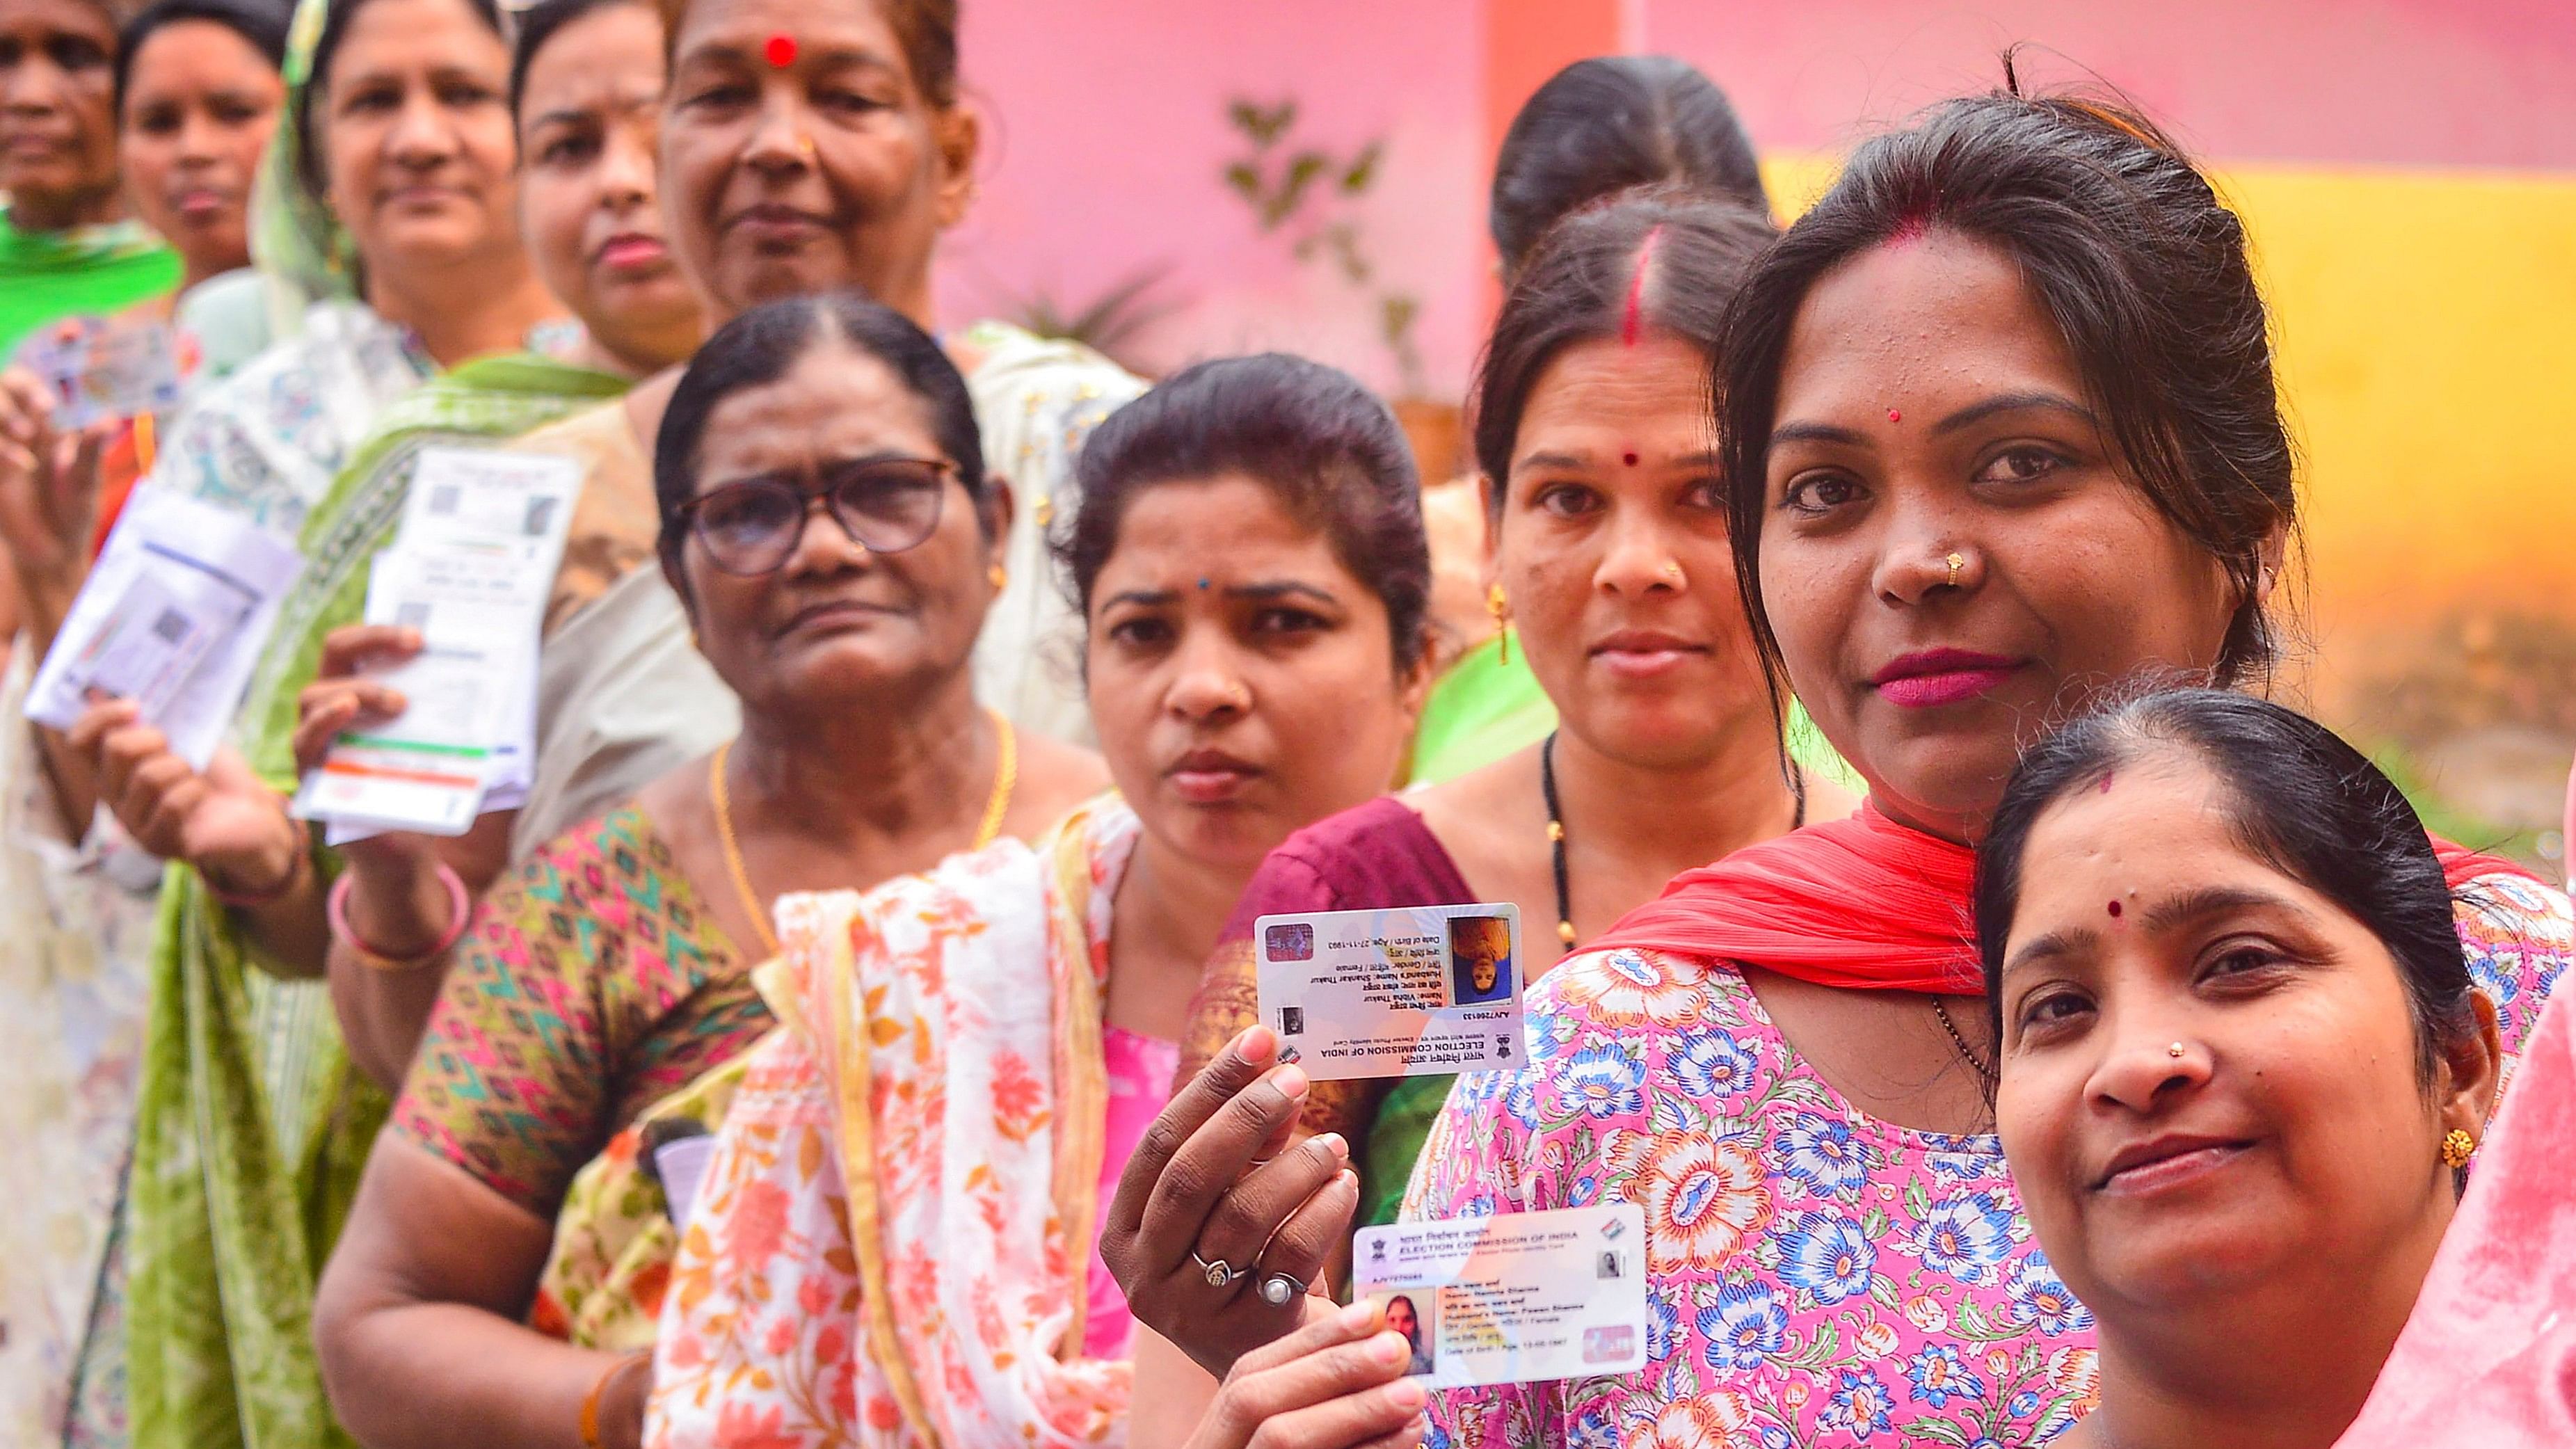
x=471 y=568
x=173 y=616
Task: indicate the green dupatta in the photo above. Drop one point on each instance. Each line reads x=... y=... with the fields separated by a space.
x=253 y=1125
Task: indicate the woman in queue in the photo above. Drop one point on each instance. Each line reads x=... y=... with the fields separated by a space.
x=66 y=247
x=1601 y=126
x=613 y=967
x=2244 y=1062
x=1610 y=537
x=2000 y=431
x=252 y=1122
x=1250 y=561
x=197 y=92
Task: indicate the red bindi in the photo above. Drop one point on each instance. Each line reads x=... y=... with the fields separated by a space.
x=780 y=52
x=1894 y=416
x=2115 y=910
x=1628 y=458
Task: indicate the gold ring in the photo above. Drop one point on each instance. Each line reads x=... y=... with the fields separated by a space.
x=1956 y=563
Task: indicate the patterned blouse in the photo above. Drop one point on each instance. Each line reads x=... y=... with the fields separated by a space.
x=1817 y=1278
x=590 y=987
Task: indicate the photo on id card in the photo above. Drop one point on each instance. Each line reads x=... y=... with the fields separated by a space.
x=1394 y=992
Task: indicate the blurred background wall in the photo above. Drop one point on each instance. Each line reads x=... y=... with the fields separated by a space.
x=1185 y=179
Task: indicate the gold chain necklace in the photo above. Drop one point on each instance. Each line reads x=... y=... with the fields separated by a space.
x=1006 y=778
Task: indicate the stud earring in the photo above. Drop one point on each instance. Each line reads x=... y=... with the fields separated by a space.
x=1500 y=606
x=1000 y=576
x=2457 y=1148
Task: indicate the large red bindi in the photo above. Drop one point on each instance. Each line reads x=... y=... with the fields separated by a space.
x=2115 y=910
x=780 y=52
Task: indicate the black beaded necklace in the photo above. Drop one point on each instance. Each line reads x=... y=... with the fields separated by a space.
x=1556 y=831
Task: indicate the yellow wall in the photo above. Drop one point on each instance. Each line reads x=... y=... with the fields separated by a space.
x=2427 y=352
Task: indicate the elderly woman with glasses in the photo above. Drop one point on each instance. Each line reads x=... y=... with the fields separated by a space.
x=830 y=526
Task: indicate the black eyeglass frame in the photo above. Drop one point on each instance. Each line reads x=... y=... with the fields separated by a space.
x=690 y=515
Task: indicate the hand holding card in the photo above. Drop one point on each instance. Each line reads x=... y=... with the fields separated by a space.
x=1216 y=1184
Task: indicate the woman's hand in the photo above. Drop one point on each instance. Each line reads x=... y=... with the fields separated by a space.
x=338 y=699
x=1215 y=1182
x=222 y=820
x=1337 y=1383
x=49 y=484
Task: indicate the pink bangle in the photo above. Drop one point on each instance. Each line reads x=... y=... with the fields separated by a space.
x=337 y=912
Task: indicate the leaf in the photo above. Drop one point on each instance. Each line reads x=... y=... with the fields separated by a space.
x=1396 y=316
x=1943 y=1430
x=1362 y=169
x=1303 y=168
x=1267 y=126
x=1245 y=180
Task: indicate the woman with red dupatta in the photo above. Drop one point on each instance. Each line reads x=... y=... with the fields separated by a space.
x=2000 y=436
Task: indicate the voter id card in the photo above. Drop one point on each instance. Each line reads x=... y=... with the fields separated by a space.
x=1393 y=993
x=1512 y=1297
x=102 y=369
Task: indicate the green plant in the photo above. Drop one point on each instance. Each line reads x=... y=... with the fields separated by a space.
x=1105 y=324
x=1313 y=192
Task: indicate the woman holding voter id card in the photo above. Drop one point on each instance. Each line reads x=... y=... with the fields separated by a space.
x=893 y=1241
x=1999 y=431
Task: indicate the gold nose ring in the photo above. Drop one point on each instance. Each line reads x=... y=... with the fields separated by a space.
x=1956 y=563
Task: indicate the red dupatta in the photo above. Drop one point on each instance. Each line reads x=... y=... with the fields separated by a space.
x=1861 y=903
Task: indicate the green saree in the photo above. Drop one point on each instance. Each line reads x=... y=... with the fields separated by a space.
x=253 y=1124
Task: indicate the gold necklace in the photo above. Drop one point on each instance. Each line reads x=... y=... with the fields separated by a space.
x=1006 y=778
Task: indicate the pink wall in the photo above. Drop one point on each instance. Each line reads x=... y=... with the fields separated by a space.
x=1107 y=132
x=1108 y=136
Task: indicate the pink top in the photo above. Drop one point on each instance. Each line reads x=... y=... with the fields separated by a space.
x=1140 y=1081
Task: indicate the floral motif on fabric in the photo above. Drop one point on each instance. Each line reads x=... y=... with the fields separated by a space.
x=591 y=985
x=884 y=1249
x=1817 y=1278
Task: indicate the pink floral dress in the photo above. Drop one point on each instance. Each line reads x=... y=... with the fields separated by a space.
x=1817 y=1278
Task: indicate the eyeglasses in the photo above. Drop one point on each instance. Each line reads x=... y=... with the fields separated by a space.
x=753 y=527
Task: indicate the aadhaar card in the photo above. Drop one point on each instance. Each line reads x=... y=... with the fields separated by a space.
x=1513 y=1297
x=1393 y=993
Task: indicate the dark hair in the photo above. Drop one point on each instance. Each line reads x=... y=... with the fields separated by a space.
x=261 y=27
x=537 y=25
x=2296 y=797
x=1604 y=125
x=1323 y=444
x=926 y=29
x=758 y=347
x=1663 y=258
x=310 y=171
x=2132 y=256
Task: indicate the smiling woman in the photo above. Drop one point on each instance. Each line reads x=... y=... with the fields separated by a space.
x=2249 y=1032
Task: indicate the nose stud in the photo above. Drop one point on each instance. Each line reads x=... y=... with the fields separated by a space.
x=1956 y=563
x=2174 y=1051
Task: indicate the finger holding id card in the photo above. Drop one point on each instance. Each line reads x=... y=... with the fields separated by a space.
x=1397 y=992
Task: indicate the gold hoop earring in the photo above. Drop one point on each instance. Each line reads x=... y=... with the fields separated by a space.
x=2457 y=1148
x=1500 y=606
